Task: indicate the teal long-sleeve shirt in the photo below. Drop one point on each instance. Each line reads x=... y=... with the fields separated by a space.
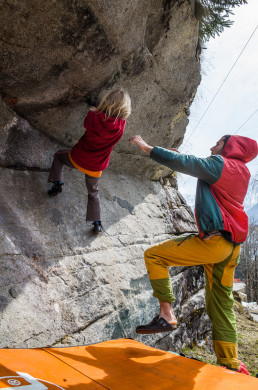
x=207 y=169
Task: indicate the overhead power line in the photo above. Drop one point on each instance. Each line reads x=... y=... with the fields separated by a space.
x=223 y=82
x=246 y=121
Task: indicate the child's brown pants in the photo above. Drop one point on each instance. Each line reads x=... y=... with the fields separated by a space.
x=61 y=158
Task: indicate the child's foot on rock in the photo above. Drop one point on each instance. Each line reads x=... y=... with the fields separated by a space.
x=97 y=227
x=56 y=189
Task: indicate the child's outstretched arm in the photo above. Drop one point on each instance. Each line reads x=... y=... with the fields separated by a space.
x=137 y=139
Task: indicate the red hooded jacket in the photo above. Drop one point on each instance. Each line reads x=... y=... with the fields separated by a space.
x=92 y=152
x=222 y=185
x=230 y=190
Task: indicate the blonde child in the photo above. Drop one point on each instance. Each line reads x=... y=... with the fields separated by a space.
x=104 y=128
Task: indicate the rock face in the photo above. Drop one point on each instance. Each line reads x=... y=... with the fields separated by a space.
x=59 y=57
x=59 y=285
x=71 y=287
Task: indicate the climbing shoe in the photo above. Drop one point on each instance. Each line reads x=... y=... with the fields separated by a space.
x=97 y=227
x=157 y=325
x=56 y=189
x=242 y=369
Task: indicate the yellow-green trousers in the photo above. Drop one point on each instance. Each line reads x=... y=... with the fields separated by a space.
x=219 y=258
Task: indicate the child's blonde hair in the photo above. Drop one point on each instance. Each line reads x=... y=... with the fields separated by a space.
x=116 y=104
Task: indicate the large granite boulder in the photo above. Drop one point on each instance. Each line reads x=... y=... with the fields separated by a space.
x=57 y=58
x=59 y=285
x=62 y=285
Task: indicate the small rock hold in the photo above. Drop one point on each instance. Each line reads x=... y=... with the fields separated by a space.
x=13 y=292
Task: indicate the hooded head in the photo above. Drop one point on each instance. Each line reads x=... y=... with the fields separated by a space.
x=218 y=148
x=241 y=148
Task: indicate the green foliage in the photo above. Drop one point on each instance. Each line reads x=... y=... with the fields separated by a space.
x=214 y=16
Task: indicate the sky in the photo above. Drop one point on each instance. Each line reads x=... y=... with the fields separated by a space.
x=237 y=99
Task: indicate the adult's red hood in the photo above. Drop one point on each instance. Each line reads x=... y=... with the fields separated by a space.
x=241 y=148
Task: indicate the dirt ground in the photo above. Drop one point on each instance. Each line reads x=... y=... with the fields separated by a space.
x=247 y=343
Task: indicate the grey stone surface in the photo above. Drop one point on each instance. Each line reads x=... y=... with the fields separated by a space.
x=59 y=57
x=21 y=145
x=59 y=284
x=73 y=287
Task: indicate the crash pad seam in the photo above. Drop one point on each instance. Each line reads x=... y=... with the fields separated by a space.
x=104 y=387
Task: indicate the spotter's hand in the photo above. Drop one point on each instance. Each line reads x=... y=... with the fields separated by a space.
x=174 y=150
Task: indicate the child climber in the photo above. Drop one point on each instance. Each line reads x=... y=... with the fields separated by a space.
x=104 y=127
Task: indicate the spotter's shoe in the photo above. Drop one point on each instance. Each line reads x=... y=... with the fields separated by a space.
x=242 y=369
x=157 y=325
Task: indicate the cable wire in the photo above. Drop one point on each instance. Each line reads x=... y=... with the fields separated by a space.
x=222 y=84
x=246 y=121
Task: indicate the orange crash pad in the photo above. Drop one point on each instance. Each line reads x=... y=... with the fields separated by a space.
x=122 y=364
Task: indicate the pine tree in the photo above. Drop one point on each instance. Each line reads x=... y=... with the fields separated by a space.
x=214 y=16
